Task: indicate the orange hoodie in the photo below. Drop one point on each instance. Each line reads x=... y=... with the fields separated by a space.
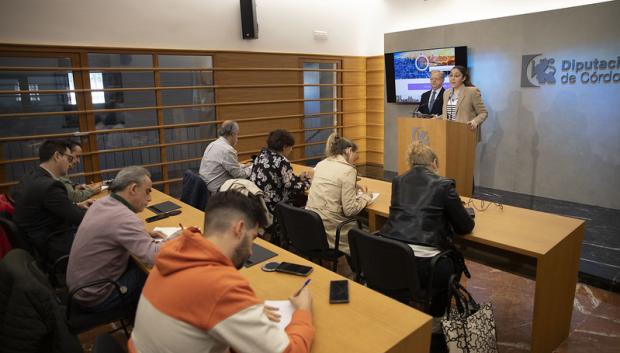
x=195 y=300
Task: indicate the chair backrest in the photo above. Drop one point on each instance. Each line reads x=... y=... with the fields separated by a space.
x=302 y=228
x=194 y=192
x=387 y=265
x=27 y=300
x=15 y=238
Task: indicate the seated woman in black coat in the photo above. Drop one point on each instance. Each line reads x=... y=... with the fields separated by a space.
x=425 y=213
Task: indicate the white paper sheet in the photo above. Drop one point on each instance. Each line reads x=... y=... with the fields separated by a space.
x=168 y=231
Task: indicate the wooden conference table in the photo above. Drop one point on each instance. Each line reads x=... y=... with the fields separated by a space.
x=371 y=322
x=540 y=245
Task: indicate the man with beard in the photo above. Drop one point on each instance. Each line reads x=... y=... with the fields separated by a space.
x=195 y=300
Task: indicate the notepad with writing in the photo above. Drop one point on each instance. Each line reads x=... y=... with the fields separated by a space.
x=373 y=196
x=285 y=309
x=170 y=232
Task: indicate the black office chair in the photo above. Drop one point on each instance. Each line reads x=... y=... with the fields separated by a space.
x=15 y=238
x=194 y=192
x=389 y=267
x=105 y=343
x=303 y=230
x=80 y=320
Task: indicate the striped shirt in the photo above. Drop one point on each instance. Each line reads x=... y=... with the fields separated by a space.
x=451 y=107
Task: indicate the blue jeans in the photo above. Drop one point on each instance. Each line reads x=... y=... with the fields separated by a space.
x=133 y=279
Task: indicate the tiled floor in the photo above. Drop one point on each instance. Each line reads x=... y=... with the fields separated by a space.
x=595 y=326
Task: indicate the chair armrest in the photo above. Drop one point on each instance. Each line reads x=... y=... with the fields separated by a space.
x=118 y=287
x=339 y=228
x=55 y=269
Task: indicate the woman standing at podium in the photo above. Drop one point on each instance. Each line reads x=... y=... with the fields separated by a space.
x=463 y=102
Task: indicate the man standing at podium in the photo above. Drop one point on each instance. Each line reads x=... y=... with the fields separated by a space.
x=432 y=101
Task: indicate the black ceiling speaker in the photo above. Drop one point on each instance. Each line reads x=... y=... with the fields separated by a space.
x=249 y=26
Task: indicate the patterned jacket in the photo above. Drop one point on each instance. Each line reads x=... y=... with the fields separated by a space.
x=273 y=173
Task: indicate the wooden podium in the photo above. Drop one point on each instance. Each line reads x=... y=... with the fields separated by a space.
x=453 y=142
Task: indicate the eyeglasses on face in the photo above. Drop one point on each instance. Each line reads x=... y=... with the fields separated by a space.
x=70 y=158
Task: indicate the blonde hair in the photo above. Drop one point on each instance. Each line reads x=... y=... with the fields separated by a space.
x=336 y=145
x=420 y=154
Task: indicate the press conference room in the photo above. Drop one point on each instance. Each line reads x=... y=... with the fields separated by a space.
x=309 y=176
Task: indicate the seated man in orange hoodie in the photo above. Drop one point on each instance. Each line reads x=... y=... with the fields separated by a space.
x=195 y=300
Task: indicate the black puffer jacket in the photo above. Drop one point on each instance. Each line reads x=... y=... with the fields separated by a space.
x=31 y=320
x=425 y=210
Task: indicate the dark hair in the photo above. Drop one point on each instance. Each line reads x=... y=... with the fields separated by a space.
x=278 y=139
x=337 y=145
x=73 y=143
x=225 y=207
x=49 y=147
x=466 y=78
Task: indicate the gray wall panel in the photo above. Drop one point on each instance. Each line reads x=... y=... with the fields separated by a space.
x=560 y=141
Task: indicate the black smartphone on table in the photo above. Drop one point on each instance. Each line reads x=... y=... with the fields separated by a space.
x=294 y=269
x=339 y=292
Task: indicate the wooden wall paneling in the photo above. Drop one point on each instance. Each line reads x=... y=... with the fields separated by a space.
x=375 y=90
x=375 y=76
x=374 y=108
x=374 y=104
x=241 y=111
x=375 y=62
x=86 y=120
x=163 y=155
x=361 y=108
x=355 y=109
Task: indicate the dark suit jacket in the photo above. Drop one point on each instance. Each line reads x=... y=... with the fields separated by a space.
x=194 y=192
x=437 y=105
x=43 y=207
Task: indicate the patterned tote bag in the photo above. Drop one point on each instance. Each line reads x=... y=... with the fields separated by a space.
x=468 y=327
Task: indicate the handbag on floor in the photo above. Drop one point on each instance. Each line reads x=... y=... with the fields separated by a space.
x=467 y=326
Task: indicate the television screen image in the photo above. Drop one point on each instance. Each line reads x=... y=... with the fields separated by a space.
x=412 y=70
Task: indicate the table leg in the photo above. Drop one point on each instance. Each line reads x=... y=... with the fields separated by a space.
x=556 y=279
x=372 y=221
x=375 y=221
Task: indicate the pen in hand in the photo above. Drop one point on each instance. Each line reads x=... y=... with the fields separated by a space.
x=302 y=287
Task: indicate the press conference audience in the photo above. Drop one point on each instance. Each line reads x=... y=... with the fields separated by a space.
x=78 y=192
x=334 y=191
x=219 y=161
x=272 y=171
x=431 y=101
x=42 y=206
x=107 y=237
x=195 y=300
x=463 y=102
x=426 y=213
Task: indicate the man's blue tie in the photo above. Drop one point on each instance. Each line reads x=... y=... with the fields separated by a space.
x=431 y=101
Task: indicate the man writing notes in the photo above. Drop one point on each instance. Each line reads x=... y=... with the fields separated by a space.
x=195 y=300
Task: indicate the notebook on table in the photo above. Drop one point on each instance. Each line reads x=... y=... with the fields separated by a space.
x=164 y=207
x=259 y=254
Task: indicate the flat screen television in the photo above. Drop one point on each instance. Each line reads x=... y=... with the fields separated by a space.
x=407 y=73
